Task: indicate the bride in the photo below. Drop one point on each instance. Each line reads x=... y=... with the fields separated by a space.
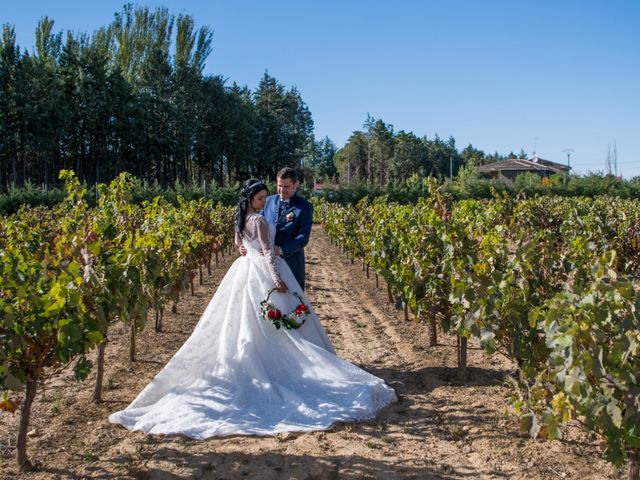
x=238 y=374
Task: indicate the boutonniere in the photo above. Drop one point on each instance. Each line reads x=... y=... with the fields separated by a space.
x=290 y=216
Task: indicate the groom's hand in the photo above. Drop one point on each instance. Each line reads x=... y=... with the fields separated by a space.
x=243 y=250
x=277 y=250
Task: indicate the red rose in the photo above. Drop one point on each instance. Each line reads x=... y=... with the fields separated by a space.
x=274 y=314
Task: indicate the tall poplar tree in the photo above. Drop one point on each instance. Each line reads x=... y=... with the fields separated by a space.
x=284 y=126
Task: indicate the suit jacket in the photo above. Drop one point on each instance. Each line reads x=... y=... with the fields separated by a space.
x=293 y=227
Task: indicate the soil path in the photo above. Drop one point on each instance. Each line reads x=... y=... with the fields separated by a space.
x=440 y=428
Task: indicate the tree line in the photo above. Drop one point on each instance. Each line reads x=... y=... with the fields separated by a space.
x=377 y=155
x=133 y=97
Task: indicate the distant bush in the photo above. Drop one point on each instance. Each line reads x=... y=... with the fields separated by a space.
x=13 y=198
x=470 y=186
x=467 y=184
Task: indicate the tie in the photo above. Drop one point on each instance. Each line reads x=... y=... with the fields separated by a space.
x=284 y=205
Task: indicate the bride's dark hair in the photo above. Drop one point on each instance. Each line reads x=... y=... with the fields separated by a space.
x=249 y=190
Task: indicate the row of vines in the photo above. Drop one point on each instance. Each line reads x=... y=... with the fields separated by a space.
x=549 y=282
x=68 y=273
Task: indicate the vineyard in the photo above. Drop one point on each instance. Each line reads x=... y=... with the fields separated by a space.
x=70 y=273
x=547 y=284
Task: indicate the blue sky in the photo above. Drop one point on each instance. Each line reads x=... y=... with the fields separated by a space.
x=501 y=75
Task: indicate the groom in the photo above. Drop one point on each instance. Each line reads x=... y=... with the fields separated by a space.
x=292 y=215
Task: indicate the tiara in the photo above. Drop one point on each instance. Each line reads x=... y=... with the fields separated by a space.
x=250 y=187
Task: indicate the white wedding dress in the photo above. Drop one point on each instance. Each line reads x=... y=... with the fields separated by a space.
x=238 y=374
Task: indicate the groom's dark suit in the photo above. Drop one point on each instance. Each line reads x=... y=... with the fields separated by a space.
x=293 y=227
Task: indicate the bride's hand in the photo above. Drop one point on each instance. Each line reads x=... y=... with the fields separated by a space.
x=282 y=287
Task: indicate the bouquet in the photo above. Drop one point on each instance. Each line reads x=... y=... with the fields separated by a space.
x=292 y=320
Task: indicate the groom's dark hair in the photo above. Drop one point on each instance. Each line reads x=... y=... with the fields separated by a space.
x=288 y=172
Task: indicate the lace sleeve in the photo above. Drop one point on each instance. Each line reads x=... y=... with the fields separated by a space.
x=267 y=248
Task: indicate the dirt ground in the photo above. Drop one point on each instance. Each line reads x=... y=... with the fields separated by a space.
x=440 y=428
